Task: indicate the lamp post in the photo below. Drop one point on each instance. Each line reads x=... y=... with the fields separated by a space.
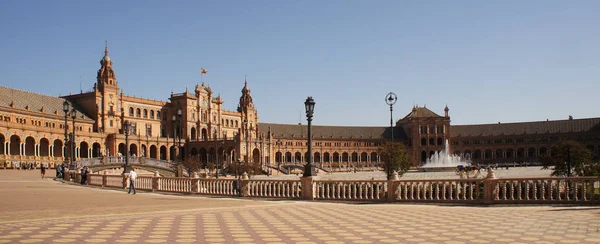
x=246 y=132
x=126 y=128
x=66 y=110
x=309 y=105
x=179 y=116
x=280 y=154
x=174 y=134
x=74 y=149
x=390 y=99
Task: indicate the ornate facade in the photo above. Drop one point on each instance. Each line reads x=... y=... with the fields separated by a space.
x=33 y=126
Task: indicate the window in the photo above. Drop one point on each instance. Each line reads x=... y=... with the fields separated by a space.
x=145 y=113
x=158 y=115
x=138 y=112
x=111 y=123
x=152 y=114
x=130 y=112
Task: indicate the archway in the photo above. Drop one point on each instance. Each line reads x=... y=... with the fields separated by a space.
x=423 y=156
x=488 y=154
x=58 y=152
x=288 y=157
x=3 y=142
x=152 y=151
x=354 y=157
x=317 y=157
x=163 y=153
x=298 y=157
x=477 y=154
x=83 y=150
x=121 y=149
x=373 y=157
x=431 y=141
x=520 y=153
x=144 y=151
x=203 y=156
x=204 y=134
x=173 y=152
x=256 y=156
x=326 y=157
x=440 y=141
x=193 y=133
x=194 y=152
x=133 y=150
x=278 y=157
x=96 y=150
x=363 y=157
x=345 y=157
x=499 y=154
x=543 y=151
x=510 y=153
x=29 y=146
x=531 y=152
x=44 y=147
x=336 y=157
x=423 y=142
x=212 y=156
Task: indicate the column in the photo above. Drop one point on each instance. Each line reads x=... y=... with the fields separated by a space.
x=22 y=149
x=7 y=148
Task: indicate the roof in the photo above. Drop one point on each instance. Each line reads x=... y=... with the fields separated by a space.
x=320 y=131
x=421 y=112
x=538 y=127
x=35 y=101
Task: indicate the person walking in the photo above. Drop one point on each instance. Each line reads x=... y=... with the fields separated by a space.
x=43 y=169
x=132 y=176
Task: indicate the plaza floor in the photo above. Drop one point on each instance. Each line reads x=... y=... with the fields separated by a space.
x=46 y=211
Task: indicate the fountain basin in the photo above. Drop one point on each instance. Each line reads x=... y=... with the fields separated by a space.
x=437 y=169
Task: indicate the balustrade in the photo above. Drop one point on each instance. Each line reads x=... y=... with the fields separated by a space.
x=217 y=187
x=114 y=180
x=351 y=190
x=172 y=184
x=439 y=190
x=560 y=190
x=274 y=188
x=143 y=183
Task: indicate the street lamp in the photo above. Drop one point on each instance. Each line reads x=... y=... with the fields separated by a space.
x=309 y=105
x=179 y=116
x=246 y=132
x=174 y=134
x=74 y=150
x=126 y=128
x=66 y=110
x=390 y=99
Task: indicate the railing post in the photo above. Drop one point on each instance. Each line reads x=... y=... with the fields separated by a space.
x=391 y=187
x=308 y=187
x=244 y=185
x=488 y=187
x=195 y=180
x=155 y=181
x=104 y=160
x=104 y=179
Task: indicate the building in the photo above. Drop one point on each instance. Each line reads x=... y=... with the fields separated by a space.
x=36 y=129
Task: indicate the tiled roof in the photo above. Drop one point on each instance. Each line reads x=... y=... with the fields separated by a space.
x=420 y=112
x=539 y=127
x=36 y=102
x=319 y=131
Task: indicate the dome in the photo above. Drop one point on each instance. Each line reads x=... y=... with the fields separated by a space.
x=106 y=58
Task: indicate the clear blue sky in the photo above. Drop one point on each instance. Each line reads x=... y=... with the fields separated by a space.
x=490 y=61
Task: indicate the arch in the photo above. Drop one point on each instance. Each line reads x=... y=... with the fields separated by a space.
x=152 y=114
x=152 y=151
x=194 y=152
x=440 y=141
x=431 y=153
x=354 y=157
x=83 y=149
x=44 y=147
x=477 y=154
x=193 y=133
x=336 y=157
x=373 y=157
x=144 y=151
x=543 y=151
x=510 y=153
x=297 y=157
x=226 y=123
x=431 y=141
x=317 y=157
x=363 y=157
x=121 y=149
x=158 y=115
x=236 y=124
x=278 y=158
x=133 y=150
x=458 y=153
x=488 y=154
x=499 y=154
x=3 y=142
x=423 y=142
x=203 y=156
x=138 y=113
x=531 y=152
x=288 y=157
x=172 y=153
x=345 y=157
x=256 y=156
x=145 y=113
x=326 y=157
x=520 y=153
x=29 y=146
x=130 y=111
x=204 y=134
x=163 y=152
x=58 y=151
x=468 y=155
x=423 y=156
x=96 y=150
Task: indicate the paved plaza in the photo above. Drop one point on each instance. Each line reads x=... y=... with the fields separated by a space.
x=46 y=211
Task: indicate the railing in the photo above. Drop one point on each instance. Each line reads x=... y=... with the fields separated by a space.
x=439 y=190
x=217 y=187
x=157 y=163
x=274 y=188
x=351 y=190
x=575 y=190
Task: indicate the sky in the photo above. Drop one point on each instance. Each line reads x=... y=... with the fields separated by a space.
x=489 y=61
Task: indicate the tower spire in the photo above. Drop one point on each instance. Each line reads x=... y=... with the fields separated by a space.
x=106 y=48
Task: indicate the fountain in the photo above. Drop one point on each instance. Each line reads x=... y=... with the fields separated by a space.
x=443 y=161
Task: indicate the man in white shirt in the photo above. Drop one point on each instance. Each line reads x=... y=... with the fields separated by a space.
x=132 y=176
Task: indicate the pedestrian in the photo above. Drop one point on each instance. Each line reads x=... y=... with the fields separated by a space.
x=132 y=176
x=43 y=169
x=59 y=171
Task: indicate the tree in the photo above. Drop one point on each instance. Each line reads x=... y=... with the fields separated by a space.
x=395 y=158
x=569 y=158
x=191 y=164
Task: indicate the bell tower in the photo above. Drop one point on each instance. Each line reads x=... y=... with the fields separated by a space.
x=108 y=99
x=248 y=112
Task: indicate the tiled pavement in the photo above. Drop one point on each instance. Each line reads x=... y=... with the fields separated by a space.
x=191 y=220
